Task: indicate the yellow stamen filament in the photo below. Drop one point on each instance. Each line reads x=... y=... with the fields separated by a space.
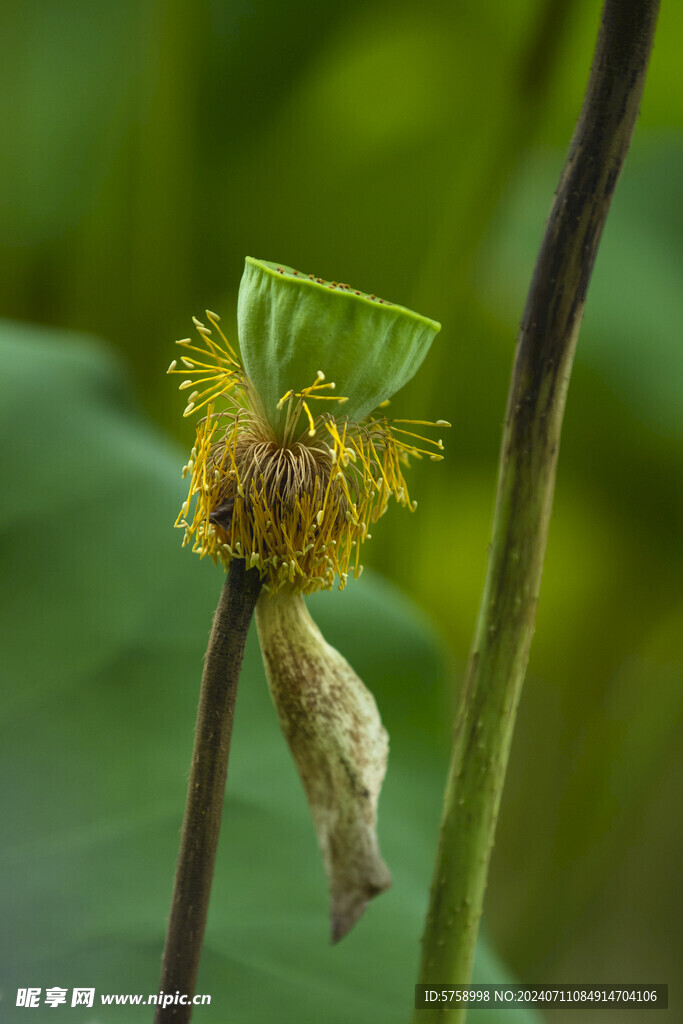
x=410 y=433
x=311 y=424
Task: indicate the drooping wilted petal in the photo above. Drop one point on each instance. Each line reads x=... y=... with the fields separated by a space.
x=291 y=325
x=333 y=729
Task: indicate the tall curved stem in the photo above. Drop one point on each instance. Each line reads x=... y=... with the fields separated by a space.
x=528 y=459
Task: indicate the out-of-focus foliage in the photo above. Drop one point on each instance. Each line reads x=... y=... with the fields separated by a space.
x=413 y=151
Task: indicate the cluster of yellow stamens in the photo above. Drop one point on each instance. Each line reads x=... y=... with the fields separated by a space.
x=297 y=505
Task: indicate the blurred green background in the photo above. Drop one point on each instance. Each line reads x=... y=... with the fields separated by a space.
x=412 y=150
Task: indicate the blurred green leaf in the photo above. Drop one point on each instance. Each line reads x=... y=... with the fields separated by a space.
x=106 y=623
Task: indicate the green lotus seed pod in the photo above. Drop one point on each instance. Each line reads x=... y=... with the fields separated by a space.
x=293 y=325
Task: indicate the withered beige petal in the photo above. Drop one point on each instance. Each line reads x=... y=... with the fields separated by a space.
x=335 y=734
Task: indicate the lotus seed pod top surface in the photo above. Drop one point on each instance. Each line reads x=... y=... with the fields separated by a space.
x=293 y=325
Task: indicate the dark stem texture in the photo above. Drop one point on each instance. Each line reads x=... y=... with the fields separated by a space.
x=526 y=477
x=206 y=789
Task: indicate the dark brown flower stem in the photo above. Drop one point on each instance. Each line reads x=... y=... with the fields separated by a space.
x=526 y=478
x=206 y=789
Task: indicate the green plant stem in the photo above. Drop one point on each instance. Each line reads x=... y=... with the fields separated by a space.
x=206 y=789
x=545 y=349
